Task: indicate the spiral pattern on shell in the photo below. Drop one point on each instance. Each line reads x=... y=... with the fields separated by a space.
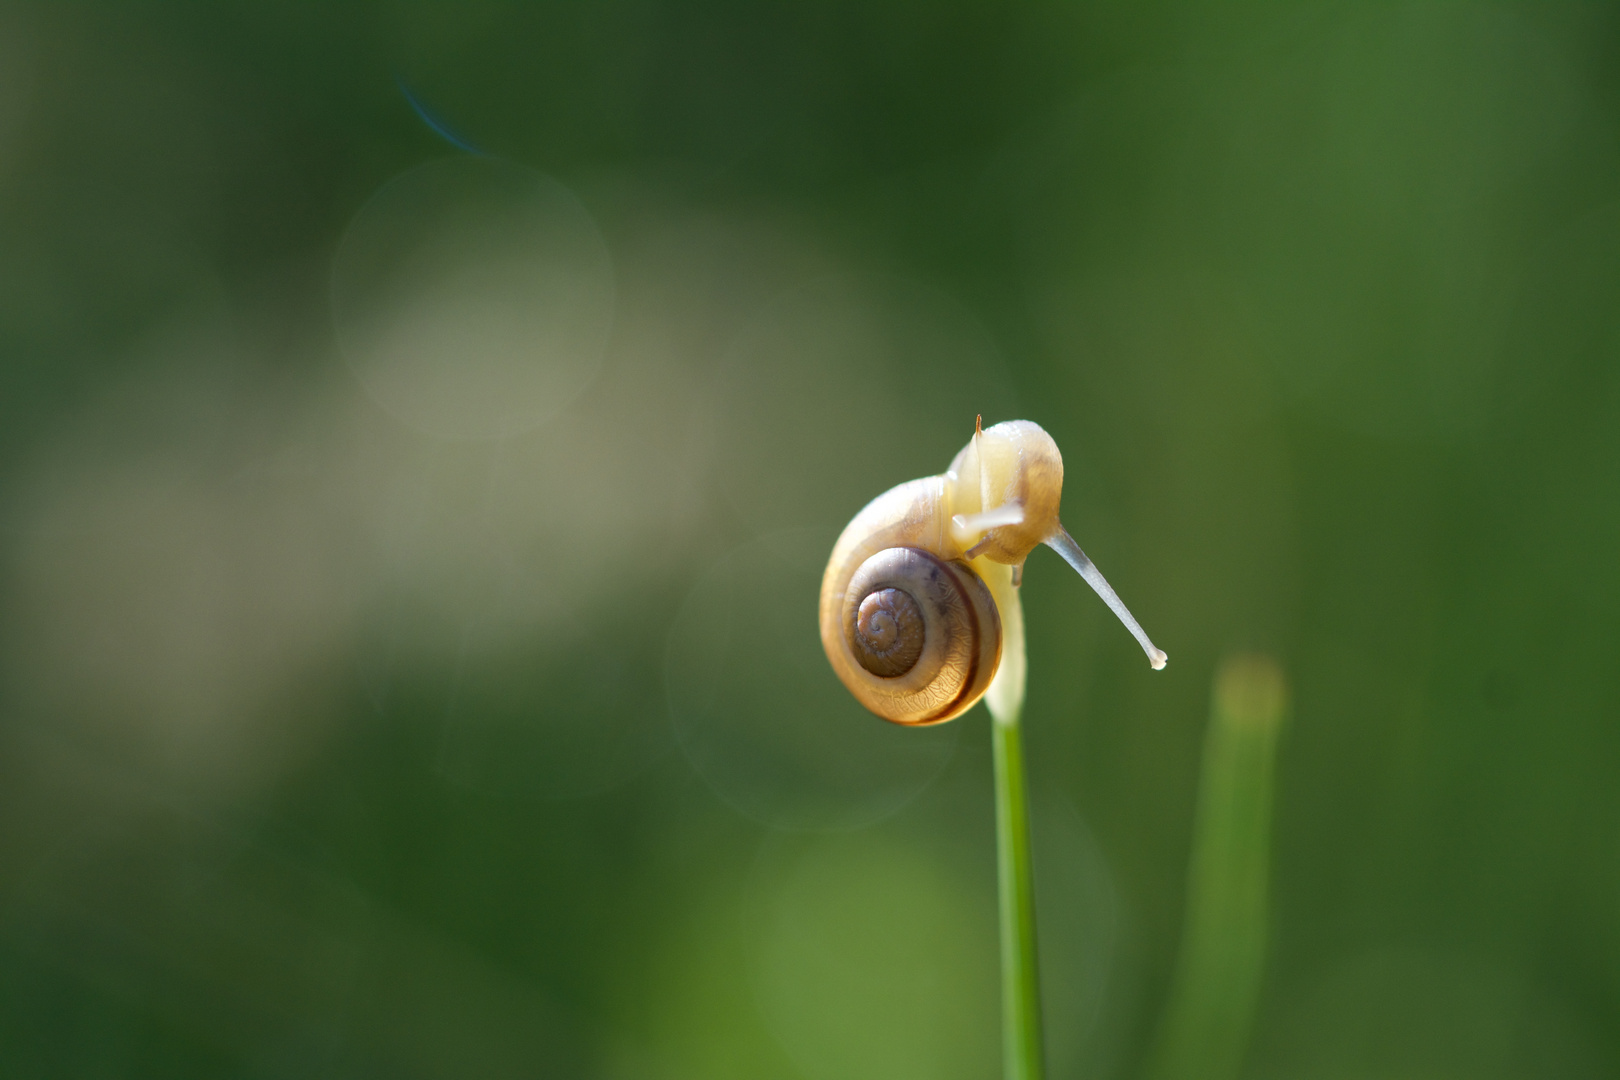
x=920 y=636
x=888 y=633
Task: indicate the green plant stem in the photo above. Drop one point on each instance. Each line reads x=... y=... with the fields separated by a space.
x=1020 y=974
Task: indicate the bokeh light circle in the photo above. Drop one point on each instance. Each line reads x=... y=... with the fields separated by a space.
x=758 y=711
x=473 y=298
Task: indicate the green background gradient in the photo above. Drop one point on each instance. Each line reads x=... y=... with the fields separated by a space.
x=366 y=720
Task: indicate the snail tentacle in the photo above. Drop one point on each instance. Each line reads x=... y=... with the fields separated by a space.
x=1062 y=543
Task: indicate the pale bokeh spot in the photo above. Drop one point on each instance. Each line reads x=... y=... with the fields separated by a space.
x=473 y=298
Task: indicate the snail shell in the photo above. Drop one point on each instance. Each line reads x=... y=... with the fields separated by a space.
x=907 y=620
x=908 y=623
x=921 y=635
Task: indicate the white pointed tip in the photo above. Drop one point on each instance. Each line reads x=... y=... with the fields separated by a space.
x=1158 y=659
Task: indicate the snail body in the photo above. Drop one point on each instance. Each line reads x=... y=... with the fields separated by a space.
x=909 y=614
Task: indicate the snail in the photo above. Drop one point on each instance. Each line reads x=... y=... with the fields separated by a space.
x=910 y=618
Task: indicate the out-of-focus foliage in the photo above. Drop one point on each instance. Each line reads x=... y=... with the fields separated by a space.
x=1207 y=1018
x=408 y=557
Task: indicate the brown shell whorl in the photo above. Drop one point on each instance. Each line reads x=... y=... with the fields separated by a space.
x=887 y=636
x=921 y=636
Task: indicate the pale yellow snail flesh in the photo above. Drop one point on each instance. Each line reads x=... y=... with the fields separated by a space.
x=909 y=616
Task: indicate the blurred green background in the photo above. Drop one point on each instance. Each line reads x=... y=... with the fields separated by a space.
x=408 y=556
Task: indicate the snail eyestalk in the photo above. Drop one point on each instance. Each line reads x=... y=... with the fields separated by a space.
x=984 y=521
x=1062 y=543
